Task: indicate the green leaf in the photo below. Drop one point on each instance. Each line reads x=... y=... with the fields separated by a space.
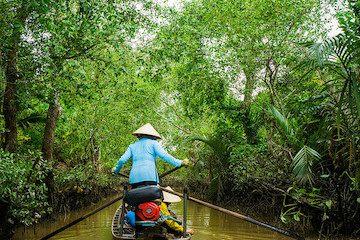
x=283 y=219
x=302 y=164
x=282 y=121
x=356 y=92
x=329 y=203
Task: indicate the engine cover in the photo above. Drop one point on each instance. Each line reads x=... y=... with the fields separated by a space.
x=148 y=211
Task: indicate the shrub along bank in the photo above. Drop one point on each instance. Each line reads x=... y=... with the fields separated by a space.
x=24 y=195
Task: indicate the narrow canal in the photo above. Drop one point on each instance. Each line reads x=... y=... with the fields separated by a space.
x=207 y=223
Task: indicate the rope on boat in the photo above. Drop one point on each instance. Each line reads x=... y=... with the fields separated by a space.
x=237 y=215
x=81 y=218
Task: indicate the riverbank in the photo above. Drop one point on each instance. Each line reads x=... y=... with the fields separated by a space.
x=76 y=198
x=70 y=197
x=44 y=228
x=263 y=204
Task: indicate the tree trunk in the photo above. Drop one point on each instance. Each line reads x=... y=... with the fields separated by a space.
x=10 y=98
x=249 y=88
x=246 y=118
x=95 y=151
x=54 y=113
x=272 y=68
x=11 y=76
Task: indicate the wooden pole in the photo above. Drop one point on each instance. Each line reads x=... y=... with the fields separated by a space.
x=80 y=219
x=185 y=210
x=237 y=215
x=161 y=176
x=122 y=216
x=123 y=174
x=170 y=171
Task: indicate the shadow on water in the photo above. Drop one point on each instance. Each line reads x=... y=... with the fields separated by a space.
x=207 y=223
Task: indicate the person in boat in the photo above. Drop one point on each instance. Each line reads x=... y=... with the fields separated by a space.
x=171 y=225
x=144 y=153
x=130 y=218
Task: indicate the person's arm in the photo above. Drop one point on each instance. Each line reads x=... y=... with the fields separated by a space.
x=173 y=215
x=165 y=155
x=130 y=218
x=123 y=159
x=174 y=225
x=171 y=223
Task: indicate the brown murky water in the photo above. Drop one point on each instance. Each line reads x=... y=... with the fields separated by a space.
x=207 y=223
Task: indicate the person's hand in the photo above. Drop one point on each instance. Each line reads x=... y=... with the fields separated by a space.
x=185 y=162
x=190 y=231
x=113 y=171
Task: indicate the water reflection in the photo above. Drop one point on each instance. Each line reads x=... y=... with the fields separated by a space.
x=207 y=223
x=212 y=224
x=96 y=226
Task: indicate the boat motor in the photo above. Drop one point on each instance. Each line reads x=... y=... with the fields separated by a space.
x=148 y=211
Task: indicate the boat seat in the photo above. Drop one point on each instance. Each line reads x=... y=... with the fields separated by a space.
x=143 y=194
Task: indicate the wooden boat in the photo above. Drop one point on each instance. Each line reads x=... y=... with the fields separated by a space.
x=150 y=233
x=150 y=230
x=128 y=230
x=150 y=221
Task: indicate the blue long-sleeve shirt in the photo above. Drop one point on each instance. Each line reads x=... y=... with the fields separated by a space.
x=144 y=153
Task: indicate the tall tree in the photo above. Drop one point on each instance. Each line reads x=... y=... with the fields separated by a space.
x=232 y=48
x=10 y=46
x=50 y=33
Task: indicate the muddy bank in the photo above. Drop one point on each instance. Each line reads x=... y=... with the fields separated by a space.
x=6 y=223
x=75 y=197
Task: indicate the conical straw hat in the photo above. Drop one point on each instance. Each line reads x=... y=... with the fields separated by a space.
x=170 y=198
x=147 y=129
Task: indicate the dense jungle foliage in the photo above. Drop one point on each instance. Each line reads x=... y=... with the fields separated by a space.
x=258 y=94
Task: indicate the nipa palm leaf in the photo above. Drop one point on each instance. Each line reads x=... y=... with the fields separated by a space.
x=281 y=121
x=303 y=163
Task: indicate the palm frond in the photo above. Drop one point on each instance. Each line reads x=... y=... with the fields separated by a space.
x=355 y=78
x=334 y=52
x=218 y=147
x=303 y=163
x=33 y=118
x=281 y=121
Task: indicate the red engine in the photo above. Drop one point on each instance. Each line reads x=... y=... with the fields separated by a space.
x=148 y=211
